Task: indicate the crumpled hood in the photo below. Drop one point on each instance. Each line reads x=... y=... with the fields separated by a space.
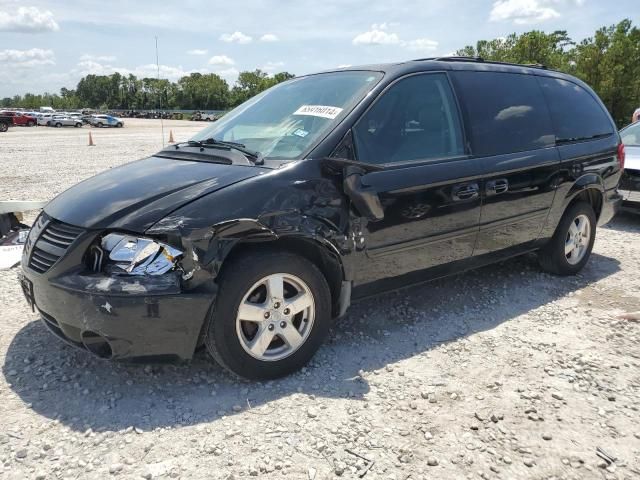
x=135 y=196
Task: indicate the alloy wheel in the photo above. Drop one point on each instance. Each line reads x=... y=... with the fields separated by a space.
x=577 y=240
x=275 y=317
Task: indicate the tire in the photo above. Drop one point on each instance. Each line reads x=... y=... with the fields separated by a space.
x=227 y=339
x=99 y=125
x=48 y=124
x=553 y=257
x=3 y=127
x=78 y=125
x=30 y=123
x=58 y=125
x=119 y=125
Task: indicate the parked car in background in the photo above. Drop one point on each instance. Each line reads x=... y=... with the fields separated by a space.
x=204 y=117
x=325 y=189
x=105 y=121
x=20 y=118
x=64 y=121
x=5 y=122
x=44 y=119
x=630 y=183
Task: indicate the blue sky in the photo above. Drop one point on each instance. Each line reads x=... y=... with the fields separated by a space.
x=48 y=45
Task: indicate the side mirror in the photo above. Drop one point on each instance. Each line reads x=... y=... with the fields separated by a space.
x=364 y=197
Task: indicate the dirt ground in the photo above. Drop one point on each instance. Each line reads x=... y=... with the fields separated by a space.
x=501 y=373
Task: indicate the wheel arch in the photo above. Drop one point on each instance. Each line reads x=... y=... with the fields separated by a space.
x=590 y=189
x=322 y=254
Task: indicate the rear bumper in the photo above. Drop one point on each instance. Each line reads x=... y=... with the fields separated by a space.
x=122 y=318
x=611 y=204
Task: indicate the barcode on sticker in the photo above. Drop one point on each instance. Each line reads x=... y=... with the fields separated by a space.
x=319 y=111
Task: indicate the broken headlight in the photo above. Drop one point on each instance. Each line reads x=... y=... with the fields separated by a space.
x=137 y=256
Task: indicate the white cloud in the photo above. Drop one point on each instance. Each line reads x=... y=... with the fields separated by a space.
x=421 y=45
x=27 y=58
x=269 y=37
x=221 y=60
x=271 y=67
x=197 y=51
x=28 y=20
x=377 y=36
x=97 y=58
x=523 y=12
x=380 y=35
x=235 y=37
x=229 y=74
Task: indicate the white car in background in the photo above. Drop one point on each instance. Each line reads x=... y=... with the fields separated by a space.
x=630 y=183
x=64 y=121
x=43 y=119
x=105 y=121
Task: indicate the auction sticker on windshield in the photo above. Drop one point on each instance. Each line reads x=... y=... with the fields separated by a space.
x=319 y=111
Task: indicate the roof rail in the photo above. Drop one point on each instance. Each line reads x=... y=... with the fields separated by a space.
x=482 y=60
x=454 y=58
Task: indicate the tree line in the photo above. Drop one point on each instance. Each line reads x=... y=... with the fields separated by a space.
x=609 y=62
x=196 y=91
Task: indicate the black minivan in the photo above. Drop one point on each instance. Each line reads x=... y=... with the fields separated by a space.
x=322 y=190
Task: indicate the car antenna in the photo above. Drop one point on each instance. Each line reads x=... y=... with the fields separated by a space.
x=160 y=96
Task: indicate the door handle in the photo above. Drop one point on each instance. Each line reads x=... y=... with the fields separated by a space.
x=496 y=187
x=465 y=192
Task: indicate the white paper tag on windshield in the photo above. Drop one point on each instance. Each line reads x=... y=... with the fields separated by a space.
x=319 y=111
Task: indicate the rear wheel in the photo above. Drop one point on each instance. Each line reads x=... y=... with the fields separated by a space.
x=3 y=127
x=119 y=125
x=569 y=249
x=78 y=125
x=99 y=124
x=271 y=315
x=58 y=125
x=30 y=123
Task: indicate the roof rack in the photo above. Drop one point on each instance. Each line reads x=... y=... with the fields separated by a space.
x=454 y=58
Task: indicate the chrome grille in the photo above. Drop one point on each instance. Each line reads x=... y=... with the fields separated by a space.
x=53 y=242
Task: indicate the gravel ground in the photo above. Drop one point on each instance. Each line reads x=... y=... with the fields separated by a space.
x=505 y=372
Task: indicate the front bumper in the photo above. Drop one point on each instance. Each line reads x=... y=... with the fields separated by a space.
x=630 y=190
x=121 y=317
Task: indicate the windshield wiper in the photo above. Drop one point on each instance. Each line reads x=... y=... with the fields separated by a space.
x=256 y=157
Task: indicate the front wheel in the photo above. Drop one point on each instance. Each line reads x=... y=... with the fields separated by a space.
x=271 y=315
x=3 y=127
x=99 y=124
x=569 y=249
x=30 y=123
x=78 y=125
x=58 y=125
x=119 y=125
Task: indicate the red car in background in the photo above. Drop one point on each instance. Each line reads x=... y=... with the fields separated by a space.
x=20 y=118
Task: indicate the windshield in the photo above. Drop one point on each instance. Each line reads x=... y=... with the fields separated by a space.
x=631 y=135
x=285 y=121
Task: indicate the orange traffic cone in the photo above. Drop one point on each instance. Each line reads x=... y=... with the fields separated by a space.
x=171 y=140
x=91 y=144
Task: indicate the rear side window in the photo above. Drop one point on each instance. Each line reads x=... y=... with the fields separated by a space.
x=506 y=111
x=416 y=119
x=575 y=113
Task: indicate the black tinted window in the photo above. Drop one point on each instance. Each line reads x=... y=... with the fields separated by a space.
x=415 y=119
x=507 y=112
x=576 y=114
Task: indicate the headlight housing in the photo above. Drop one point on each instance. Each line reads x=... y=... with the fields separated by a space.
x=131 y=255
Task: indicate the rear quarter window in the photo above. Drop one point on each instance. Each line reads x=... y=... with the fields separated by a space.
x=575 y=113
x=506 y=112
